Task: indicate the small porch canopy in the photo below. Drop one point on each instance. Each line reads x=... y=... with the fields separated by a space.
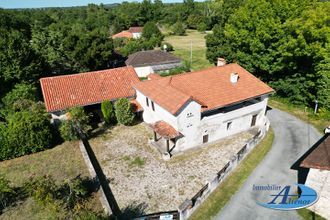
x=166 y=131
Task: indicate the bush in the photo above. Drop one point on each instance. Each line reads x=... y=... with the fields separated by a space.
x=21 y=97
x=124 y=112
x=178 y=29
x=108 y=112
x=27 y=132
x=67 y=131
x=20 y=91
x=76 y=117
x=131 y=47
x=201 y=27
x=168 y=45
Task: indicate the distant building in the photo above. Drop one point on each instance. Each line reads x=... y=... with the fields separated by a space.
x=196 y=108
x=132 y=32
x=314 y=171
x=151 y=61
x=88 y=89
x=136 y=32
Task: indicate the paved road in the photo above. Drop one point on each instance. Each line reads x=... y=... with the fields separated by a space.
x=291 y=141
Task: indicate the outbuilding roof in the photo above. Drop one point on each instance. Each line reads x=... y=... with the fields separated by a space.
x=151 y=57
x=62 y=92
x=135 y=29
x=211 y=88
x=123 y=34
x=319 y=158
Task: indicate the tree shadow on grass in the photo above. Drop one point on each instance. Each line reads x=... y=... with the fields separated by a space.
x=134 y=210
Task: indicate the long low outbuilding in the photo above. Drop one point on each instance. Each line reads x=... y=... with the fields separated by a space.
x=88 y=89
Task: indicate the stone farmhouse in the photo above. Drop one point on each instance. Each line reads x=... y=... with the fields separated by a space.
x=152 y=61
x=192 y=109
x=132 y=32
x=184 y=111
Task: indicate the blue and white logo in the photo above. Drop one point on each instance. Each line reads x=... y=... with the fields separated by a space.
x=285 y=200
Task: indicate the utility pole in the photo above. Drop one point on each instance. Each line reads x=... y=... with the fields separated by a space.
x=316 y=104
x=190 y=54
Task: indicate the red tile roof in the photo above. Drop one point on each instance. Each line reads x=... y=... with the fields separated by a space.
x=319 y=158
x=123 y=34
x=62 y=92
x=165 y=130
x=152 y=76
x=210 y=87
x=135 y=29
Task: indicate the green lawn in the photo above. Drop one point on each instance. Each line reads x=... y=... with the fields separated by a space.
x=218 y=199
x=300 y=112
x=61 y=162
x=182 y=45
x=309 y=215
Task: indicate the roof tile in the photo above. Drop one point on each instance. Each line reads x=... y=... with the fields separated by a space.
x=62 y=92
x=210 y=87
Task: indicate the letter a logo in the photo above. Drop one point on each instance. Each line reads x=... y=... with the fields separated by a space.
x=285 y=195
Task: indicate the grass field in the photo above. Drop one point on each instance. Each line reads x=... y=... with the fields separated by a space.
x=218 y=199
x=61 y=162
x=182 y=45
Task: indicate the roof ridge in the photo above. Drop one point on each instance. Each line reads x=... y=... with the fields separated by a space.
x=88 y=73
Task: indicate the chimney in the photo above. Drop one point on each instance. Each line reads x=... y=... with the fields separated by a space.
x=234 y=77
x=221 y=62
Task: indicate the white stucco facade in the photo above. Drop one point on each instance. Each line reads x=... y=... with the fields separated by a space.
x=137 y=35
x=198 y=128
x=319 y=180
x=143 y=71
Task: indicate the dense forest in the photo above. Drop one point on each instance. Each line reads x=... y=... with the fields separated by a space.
x=285 y=43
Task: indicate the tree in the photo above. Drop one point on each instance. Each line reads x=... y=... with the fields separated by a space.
x=19 y=92
x=108 y=112
x=28 y=132
x=150 y=30
x=178 y=29
x=19 y=62
x=77 y=119
x=284 y=44
x=124 y=111
x=131 y=47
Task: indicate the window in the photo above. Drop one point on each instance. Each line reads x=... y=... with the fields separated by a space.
x=189 y=125
x=205 y=138
x=229 y=125
x=253 y=121
x=189 y=115
x=147 y=101
x=152 y=106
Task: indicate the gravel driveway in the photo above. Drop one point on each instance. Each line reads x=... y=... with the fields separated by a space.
x=140 y=178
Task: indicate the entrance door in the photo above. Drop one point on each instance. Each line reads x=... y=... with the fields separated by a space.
x=254 y=119
x=205 y=138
